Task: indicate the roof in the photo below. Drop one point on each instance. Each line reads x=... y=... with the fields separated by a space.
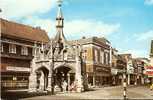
x=151 y=50
x=14 y=29
x=90 y=40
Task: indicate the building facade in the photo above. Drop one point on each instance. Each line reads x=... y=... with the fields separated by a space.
x=96 y=57
x=129 y=68
x=151 y=61
x=138 y=64
x=117 y=68
x=17 y=42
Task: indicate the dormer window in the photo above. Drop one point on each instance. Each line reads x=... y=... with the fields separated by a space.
x=24 y=50
x=12 y=48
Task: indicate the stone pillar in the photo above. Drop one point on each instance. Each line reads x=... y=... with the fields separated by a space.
x=32 y=82
x=68 y=78
x=94 y=80
x=135 y=83
x=41 y=87
x=49 y=82
x=128 y=79
x=87 y=79
x=78 y=76
x=32 y=78
x=142 y=80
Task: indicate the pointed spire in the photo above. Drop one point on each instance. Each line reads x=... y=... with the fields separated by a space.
x=59 y=14
x=59 y=2
x=59 y=24
x=59 y=18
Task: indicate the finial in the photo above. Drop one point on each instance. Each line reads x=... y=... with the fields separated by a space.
x=59 y=2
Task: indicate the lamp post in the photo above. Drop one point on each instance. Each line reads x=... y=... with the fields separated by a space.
x=124 y=84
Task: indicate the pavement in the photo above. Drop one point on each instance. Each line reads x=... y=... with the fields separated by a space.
x=113 y=92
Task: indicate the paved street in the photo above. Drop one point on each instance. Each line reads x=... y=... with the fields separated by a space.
x=137 y=92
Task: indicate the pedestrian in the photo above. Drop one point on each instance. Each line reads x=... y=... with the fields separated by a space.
x=64 y=86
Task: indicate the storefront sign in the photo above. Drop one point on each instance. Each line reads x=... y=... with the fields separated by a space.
x=149 y=71
x=12 y=68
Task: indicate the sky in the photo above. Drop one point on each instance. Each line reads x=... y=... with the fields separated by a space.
x=127 y=24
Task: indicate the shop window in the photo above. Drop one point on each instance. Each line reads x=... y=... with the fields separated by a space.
x=12 y=48
x=24 y=50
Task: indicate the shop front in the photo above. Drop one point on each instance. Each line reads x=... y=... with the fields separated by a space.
x=13 y=81
x=14 y=78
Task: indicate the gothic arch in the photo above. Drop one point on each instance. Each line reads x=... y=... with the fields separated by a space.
x=65 y=65
x=40 y=65
x=42 y=78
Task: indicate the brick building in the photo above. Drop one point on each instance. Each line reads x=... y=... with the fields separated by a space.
x=129 y=68
x=17 y=42
x=117 y=68
x=138 y=65
x=96 y=55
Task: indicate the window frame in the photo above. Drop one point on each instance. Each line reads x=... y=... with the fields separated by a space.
x=24 y=50
x=107 y=58
x=12 y=48
x=102 y=57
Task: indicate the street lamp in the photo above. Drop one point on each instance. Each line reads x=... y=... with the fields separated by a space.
x=124 y=84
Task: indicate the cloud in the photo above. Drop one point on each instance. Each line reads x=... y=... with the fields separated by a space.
x=22 y=8
x=75 y=28
x=148 y=2
x=90 y=28
x=145 y=35
x=28 y=11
